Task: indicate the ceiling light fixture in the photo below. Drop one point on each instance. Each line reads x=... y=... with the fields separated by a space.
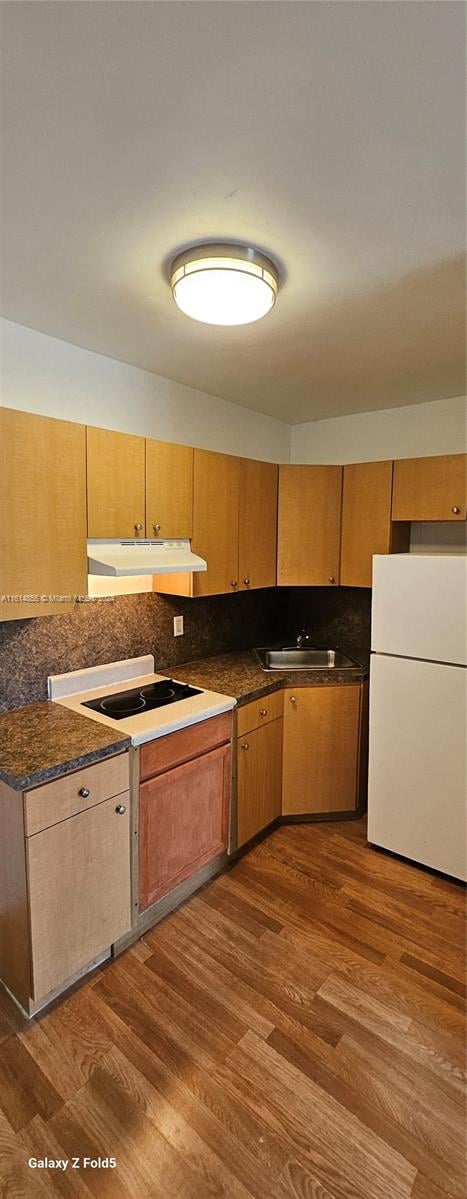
x=224 y=284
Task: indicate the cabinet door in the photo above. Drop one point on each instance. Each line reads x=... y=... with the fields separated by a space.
x=259 y=779
x=116 y=492
x=430 y=488
x=309 y=525
x=215 y=521
x=183 y=822
x=321 y=733
x=43 y=506
x=169 y=490
x=258 y=525
x=79 y=891
x=366 y=520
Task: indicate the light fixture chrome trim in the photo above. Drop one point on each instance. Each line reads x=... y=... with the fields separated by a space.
x=234 y=259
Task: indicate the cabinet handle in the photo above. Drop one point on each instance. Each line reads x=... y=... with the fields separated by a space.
x=157 y=528
x=293 y=699
x=245 y=745
x=233 y=583
x=246 y=582
x=84 y=792
x=120 y=809
x=455 y=510
x=331 y=579
x=138 y=527
x=263 y=711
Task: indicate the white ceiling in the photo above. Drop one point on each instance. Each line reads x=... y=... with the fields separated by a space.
x=329 y=134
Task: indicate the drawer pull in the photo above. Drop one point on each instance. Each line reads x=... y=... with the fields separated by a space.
x=293 y=699
x=245 y=745
x=455 y=510
x=120 y=809
x=263 y=711
x=84 y=792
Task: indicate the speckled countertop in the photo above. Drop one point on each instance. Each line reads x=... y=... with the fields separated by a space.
x=41 y=742
x=240 y=674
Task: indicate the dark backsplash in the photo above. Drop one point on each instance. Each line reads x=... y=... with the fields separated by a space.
x=127 y=626
x=334 y=616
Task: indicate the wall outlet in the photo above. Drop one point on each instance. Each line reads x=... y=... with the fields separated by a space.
x=178 y=626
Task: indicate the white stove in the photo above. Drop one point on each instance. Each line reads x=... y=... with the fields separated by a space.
x=129 y=697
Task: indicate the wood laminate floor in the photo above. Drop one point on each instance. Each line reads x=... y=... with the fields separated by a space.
x=295 y=1030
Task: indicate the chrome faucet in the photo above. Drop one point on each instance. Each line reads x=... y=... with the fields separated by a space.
x=303 y=638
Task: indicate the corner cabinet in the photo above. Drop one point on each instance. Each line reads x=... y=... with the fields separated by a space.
x=433 y=489
x=43 y=505
x=309 y=525
x=115 y=484
x=321 y=763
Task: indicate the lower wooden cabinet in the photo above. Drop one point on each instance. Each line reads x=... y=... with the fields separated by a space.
x=259 y=779
x=321 y=749
x=79 y=891
x=183 y=821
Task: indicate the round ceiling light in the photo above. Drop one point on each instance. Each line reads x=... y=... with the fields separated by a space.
x=224 y=284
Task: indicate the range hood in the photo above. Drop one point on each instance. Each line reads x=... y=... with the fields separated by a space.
x=139 y=557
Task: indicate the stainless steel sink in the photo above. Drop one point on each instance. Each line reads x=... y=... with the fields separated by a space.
x=292 y=658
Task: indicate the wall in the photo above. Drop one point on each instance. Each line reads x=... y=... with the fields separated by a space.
x=409 y=432
x=54 y=378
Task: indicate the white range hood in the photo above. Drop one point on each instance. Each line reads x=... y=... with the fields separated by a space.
x=159 y=557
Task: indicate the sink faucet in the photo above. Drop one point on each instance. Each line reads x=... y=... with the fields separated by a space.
x=303 y=638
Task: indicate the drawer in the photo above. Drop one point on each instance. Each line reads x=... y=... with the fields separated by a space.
x=67 y=796
x=190 y=742
x=260 y=711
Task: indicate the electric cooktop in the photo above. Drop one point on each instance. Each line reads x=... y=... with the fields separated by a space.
x=122 y=704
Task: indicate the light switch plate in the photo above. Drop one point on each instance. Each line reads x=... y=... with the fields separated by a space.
x=178 y=626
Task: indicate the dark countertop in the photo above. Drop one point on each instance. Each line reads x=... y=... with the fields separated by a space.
x=43 y=741
x=239 y=674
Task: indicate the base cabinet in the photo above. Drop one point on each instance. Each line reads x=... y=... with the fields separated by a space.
x=79 y=891
x=259 y=779
x=183 y=817
x=321 y=749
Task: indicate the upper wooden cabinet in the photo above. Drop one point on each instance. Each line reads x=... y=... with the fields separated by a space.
x=257 y=525
x=366 y=520
x=116 y=484
x=216 y=493
x=43 y=505
x=309 y=525
x=169 y=489
x=430 y=488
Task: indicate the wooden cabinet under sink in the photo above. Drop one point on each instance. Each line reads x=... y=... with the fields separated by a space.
x=322 y=736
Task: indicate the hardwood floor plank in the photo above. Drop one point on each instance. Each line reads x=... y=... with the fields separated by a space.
x=25 y=1091
x=344 y=1153
x=295 y=1030
x=444 y=980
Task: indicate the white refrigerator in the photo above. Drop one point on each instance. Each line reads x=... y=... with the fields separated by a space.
x=417 y=756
